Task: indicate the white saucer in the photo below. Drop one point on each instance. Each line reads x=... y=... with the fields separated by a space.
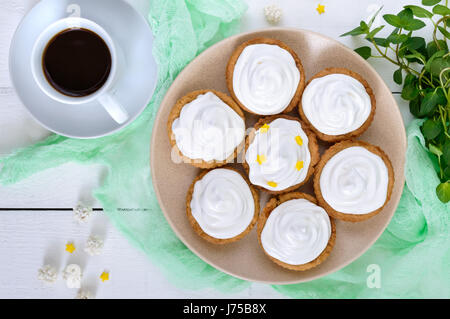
x=134 y=87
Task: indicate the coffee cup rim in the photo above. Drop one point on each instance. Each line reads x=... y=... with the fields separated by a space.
x=41 y=43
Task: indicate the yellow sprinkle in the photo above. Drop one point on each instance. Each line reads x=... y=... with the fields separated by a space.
x=261 y=159
x=70 y=247
x=264 y=128
x=299 y=140
x=104 y=276
x=272 y=184
x=299 y=165
x=320 y=8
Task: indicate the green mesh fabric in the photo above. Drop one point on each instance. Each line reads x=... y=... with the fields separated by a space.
x=412 y=254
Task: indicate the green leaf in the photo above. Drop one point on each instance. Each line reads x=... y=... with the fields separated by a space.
x=432 y=47
x=441 y=139
x=410 y=78
x=405 y=14
x=435 y=150
x=431 y=129
x=364 y=52
x=408 y=22
x=363 y=25
x=410 y=90
x=397 y=38
x=398 y=76
x=443 y=192
x=414 y=25
x=374 y=32
x=380 y=42
x=414 y=43
x=419 y=11
x=446 y=153
x=374 y=16
x=441 y=10
x=438 y=64
x=362 y=29
x=414 y=107
x=435 y=55
x=447 y=172
x=393 y=20
x=355 y=31
x=416 y=56
x=444 y=32
x=430 y=2
x=431 y=101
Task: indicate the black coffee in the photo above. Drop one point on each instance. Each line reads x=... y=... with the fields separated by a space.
x=76 y=62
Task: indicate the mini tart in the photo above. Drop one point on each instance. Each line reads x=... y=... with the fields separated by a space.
x=353 y=180
x=213 y=116
x=250 y=70
x=297 y=144
x=325 y=102
x=217 y=187
x=289 y=214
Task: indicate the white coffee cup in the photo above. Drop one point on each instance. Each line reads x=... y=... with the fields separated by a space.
x=104 y=95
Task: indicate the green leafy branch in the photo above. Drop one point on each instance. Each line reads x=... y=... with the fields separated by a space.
x=423 y=69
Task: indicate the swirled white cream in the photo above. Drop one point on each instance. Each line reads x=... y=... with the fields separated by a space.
x=222 y=203
x=265 y=78
x=208 y=129
x=336 y=104
x=355 y=181
x=278 y=156
x=296 y=232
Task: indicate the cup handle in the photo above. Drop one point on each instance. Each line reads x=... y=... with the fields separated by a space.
x=114 y=108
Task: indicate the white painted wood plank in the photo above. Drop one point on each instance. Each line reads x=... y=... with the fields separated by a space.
x=62 y=187
x=17 y=127
x=11 y=12
x=404 y=109
x=29 y=239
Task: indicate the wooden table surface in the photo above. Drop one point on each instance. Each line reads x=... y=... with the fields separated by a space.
x=36 y=214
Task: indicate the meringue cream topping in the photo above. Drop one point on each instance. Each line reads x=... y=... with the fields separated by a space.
x=278 y=156
x=208 y=129
x=265 y=78
x=355 y=181
x=336 y=104
x=222 y=203
x=296 y=232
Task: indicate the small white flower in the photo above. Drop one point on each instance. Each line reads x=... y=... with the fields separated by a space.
x=72 y=275
x=82 y=213
x=47 y=274
x=273 y=13
x=94 y=245
x=84 y=294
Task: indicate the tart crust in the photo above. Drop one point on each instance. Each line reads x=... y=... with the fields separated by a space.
x=175 y=113
x=312 y=146
x=352 y=134
x=275 y=202
x=197 y=227
x=235 y=56
x=329 y=153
